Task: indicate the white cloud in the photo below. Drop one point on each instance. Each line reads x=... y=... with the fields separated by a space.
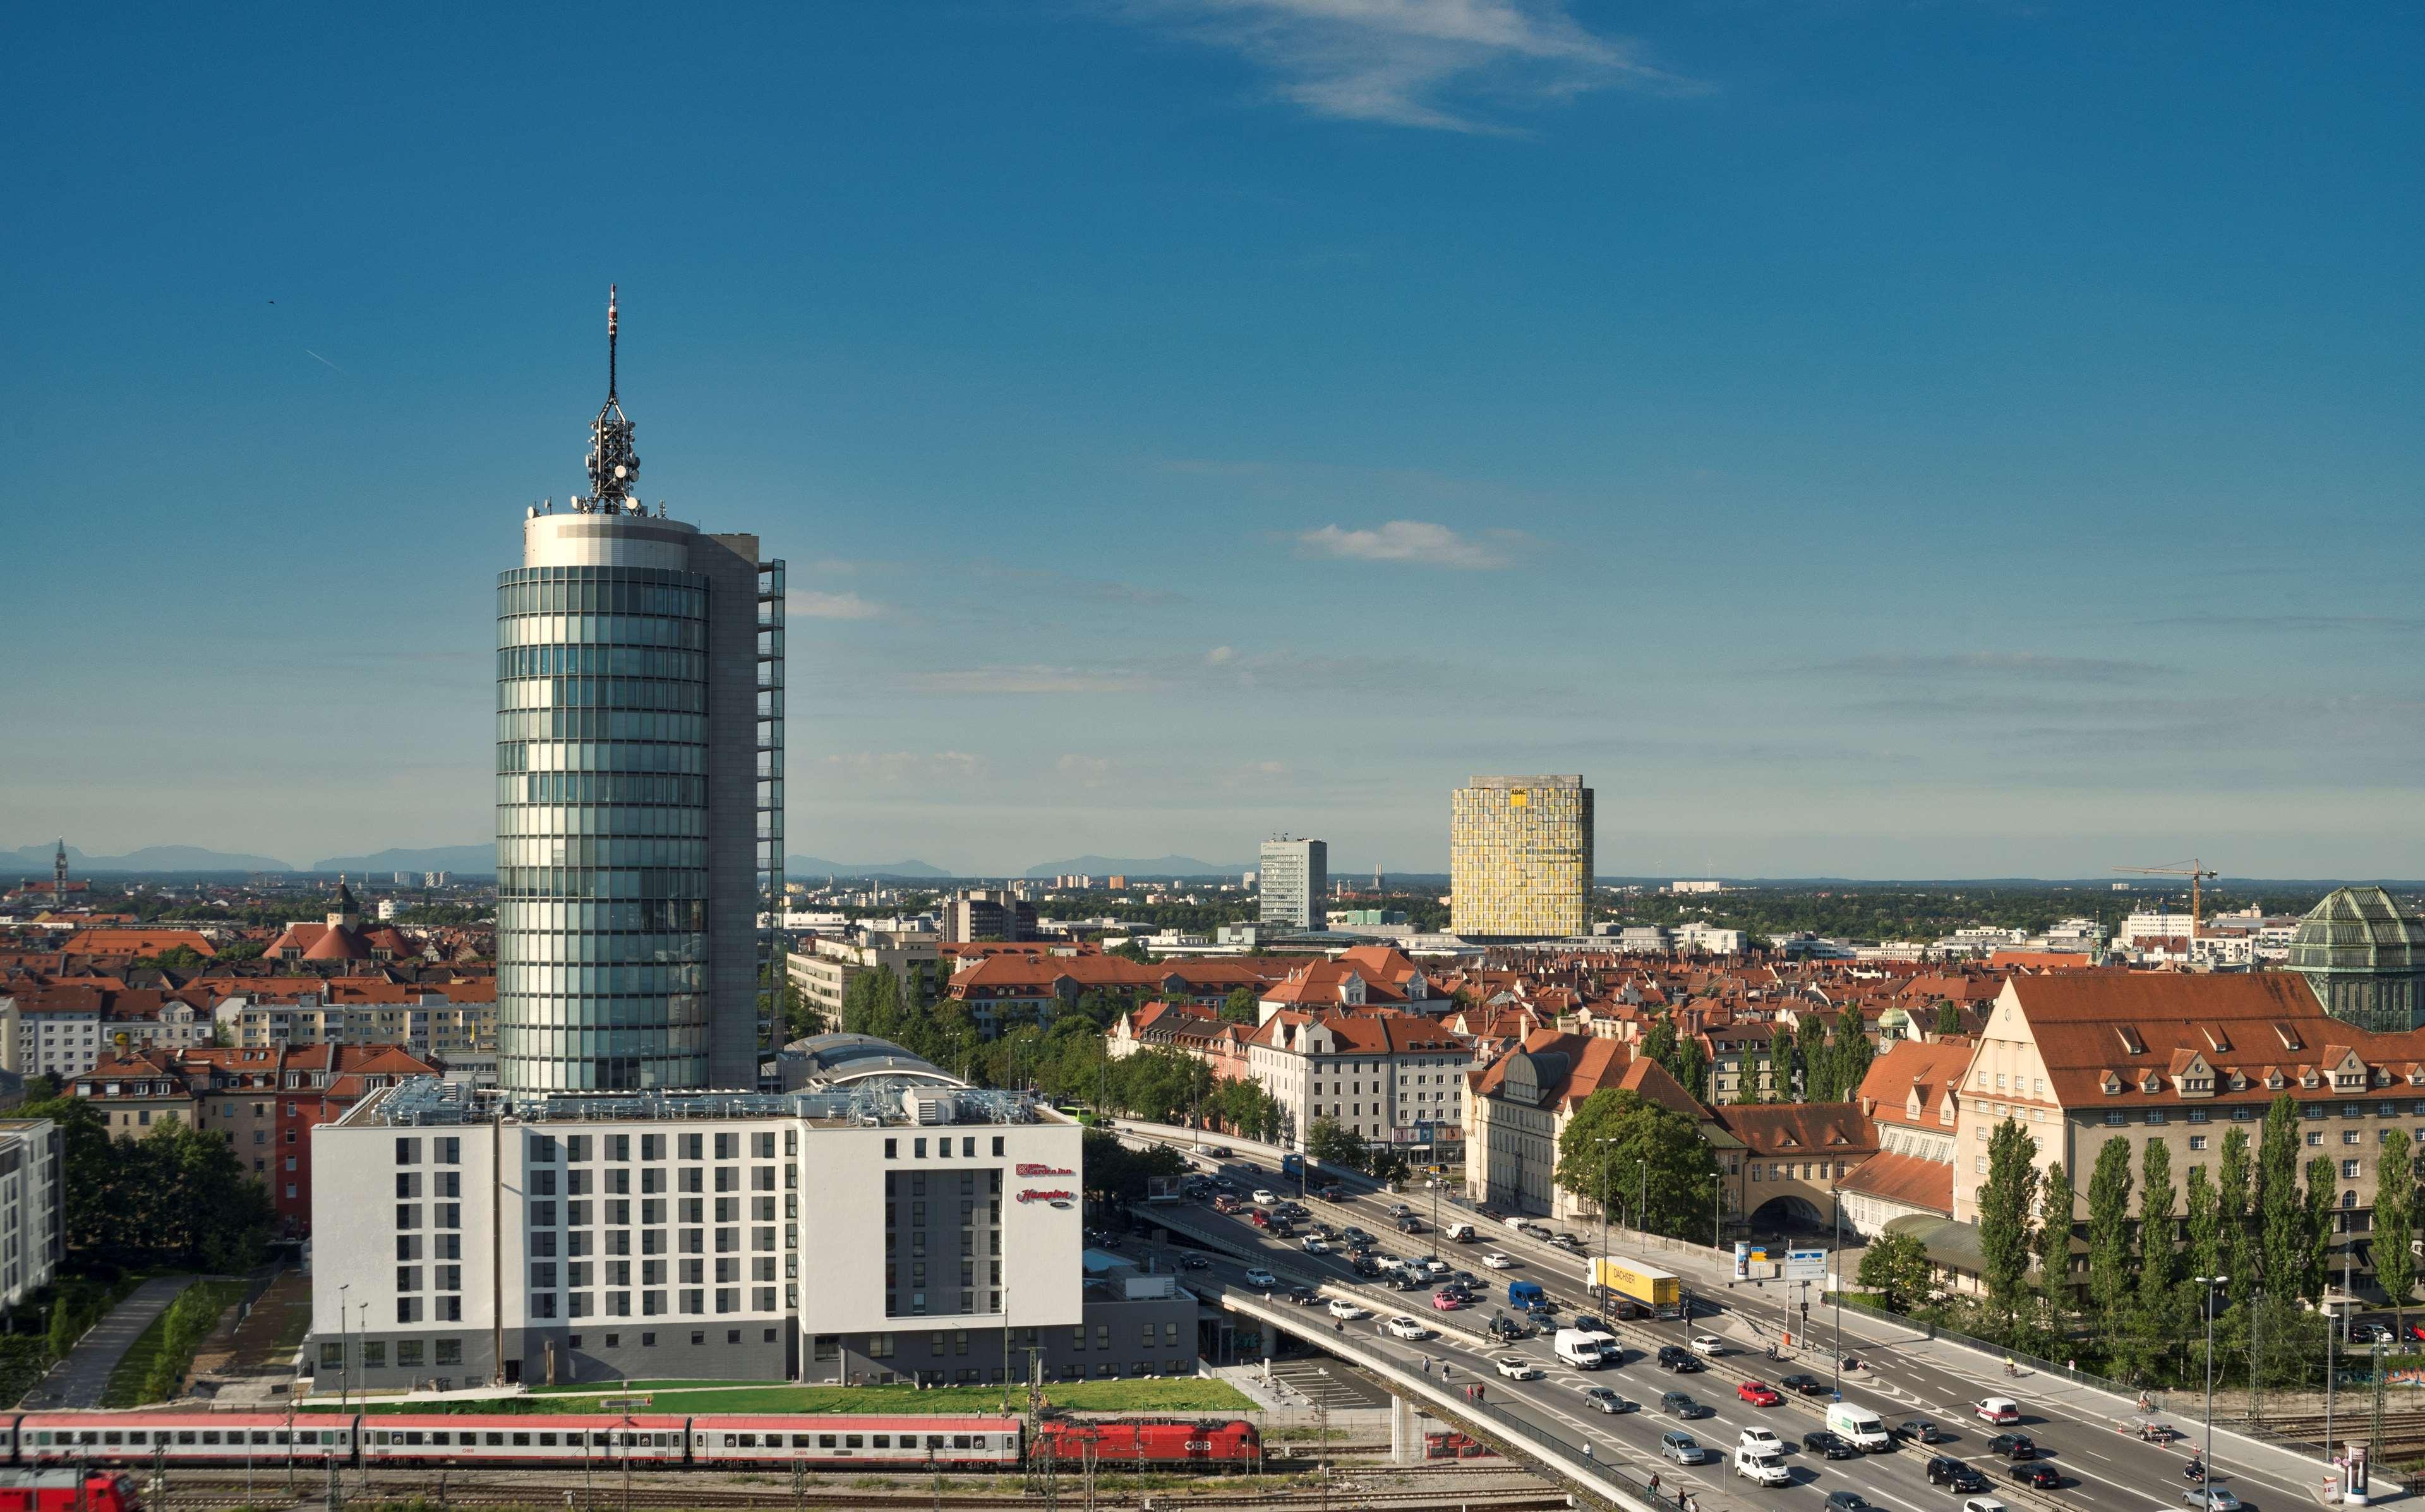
x=1086 y=771
x=1404 y=540
x=894 y=767
x=1412 y=62
x=1217 y=655
x=807 y=603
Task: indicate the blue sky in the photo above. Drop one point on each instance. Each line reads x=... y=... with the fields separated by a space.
x=1864 y=439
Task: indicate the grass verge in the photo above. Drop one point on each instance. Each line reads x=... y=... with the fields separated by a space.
x=138 y=1379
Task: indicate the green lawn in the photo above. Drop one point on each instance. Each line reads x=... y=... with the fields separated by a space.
x=1078 y=1396
x=125 y=1388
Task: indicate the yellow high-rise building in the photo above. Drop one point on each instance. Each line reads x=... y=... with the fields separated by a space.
x=1520 y=857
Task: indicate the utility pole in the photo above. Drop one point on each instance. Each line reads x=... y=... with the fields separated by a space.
x=1836 y=1255
x=346 y=1364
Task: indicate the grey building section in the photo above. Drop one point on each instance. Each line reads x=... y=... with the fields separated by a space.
x=1293 y=881
x=987 y=913
x=735 y=949
x=1155 y=1332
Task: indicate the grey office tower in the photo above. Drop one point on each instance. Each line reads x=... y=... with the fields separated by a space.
x=639 y=790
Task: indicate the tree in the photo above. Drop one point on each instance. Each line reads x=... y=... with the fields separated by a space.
x=1131 y=949
x=1656 y=1155
x=2203 y=1228
x=2108 y=1230
x=1692 y=1069
x=2008 y=1200
x=2281 y=1219
x=1660 y=1043
x=1898 y=1271
x=1111 y=1172
x=1390 y=1168
x=2316 y=1231
x=1853 y=1053
x=1240 y=1007
x=1949 y=1019
x=2052 y=1248
x=1333 y=1143
x=1895 y=1267
x=1810 y=1055
x=2395 y=1225
x=2232 y=1203
x=2152 y=1322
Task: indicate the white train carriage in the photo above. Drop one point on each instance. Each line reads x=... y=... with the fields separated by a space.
x=138 y=1437
x=606 y=1441
x=850 y=1443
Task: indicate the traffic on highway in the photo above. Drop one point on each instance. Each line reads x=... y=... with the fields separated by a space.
x=1713 y=1403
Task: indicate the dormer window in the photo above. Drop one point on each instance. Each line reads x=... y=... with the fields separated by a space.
x=2110 y=1083
x=2289 y=1037
x=2131 y=1040
x=2273 y=1080
x=2151 y=1084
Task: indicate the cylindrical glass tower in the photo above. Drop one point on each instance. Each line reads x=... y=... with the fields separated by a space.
x=602 y=811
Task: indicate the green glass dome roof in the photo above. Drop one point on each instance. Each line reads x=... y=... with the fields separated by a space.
x=2358 y=929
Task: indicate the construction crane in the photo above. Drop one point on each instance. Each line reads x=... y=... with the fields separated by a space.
x=2195 y=871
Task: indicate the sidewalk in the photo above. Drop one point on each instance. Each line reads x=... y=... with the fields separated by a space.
x=79 y=1381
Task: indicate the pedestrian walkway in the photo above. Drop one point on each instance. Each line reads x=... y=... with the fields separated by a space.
x=80 y=1379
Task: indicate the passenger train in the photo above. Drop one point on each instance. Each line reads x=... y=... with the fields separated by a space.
x=456 y=1441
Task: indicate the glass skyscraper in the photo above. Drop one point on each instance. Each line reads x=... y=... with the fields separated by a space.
x=1520 y=857
x=640 y=791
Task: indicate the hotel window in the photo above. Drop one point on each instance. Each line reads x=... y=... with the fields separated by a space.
x=2348 y=1170
x=2348 y=1137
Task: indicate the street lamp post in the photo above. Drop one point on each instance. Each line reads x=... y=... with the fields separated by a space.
x=2213 y=1285
x=1603 y=1298
x=345 y=1349
x=1836 y=1254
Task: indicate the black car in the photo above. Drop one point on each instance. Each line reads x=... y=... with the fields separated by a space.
x=1410 y=1226
x=1358 y=1235
x=1194 y=1262
x=1922 y=1430
x=2011 y=1446
x=1678 y=1359
x=1681 y=1406
x=1829 y=1445
x=1806 y=1385
x=1503 y=1327
x=1365 y=1267
x=2041 y=1478
x=1954 y=1475
x=1301 y=1296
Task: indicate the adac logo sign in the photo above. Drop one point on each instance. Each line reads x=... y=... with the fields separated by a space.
x=1030 y=1168
x=1057 y=1198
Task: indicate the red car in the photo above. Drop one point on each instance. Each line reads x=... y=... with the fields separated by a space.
x=1447 y=1301
x=1759 y=1394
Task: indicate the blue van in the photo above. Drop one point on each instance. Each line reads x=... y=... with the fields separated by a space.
x=1526 y=1296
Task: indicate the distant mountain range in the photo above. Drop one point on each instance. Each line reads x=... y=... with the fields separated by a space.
x=36 y=859
x=1116 y=866
x=471 y=860
x=801 y=868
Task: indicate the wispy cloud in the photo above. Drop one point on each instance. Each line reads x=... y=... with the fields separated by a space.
x=1033 y=679
x=1417 y=541
x=2297 y=623
x=1973 y=666
x=808 y=603
x=897 y=767
x=1086 y=771
x=1427 y=63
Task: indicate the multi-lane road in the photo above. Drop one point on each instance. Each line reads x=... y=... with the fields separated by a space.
x=2100 y=1467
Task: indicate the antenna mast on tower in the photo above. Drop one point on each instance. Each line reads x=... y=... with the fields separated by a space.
x=614 y=466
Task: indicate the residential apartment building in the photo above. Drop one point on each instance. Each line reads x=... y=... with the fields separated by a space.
x=821 y=973
x=33 y=1219
x=1294 y=883
x=445 y=1019
x=1520 y=858
x=1391 y=1079
x=987 y=913
x=2082 y=1058
x=1520 y=1105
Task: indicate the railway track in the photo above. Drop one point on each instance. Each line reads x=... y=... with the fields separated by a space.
x=2404 y=1432
x=202 y=1495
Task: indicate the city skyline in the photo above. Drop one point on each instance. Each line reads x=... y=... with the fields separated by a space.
x=1288 y=419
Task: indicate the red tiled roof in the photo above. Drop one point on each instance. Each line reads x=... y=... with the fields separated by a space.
x=1910 y=1179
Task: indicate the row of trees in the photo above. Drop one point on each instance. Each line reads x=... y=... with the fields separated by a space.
x=1628 y=1155
x=2260 y=1226
x=1333 y=1143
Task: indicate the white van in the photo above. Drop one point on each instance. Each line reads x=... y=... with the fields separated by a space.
x=1518 y=1222
x=1459 y=1233
x=1858 y=1427
x=1585 y=1348
x=1765 y=1467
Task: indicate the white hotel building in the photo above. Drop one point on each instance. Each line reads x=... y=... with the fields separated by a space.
x=884 y=1230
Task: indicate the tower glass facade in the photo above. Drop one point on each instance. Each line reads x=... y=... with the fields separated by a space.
x=602 y=827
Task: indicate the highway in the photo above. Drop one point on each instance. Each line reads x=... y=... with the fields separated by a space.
x=2100 y=1467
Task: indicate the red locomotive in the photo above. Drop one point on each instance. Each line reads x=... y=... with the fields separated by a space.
x=65 y=1490
x=1153 y=1443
